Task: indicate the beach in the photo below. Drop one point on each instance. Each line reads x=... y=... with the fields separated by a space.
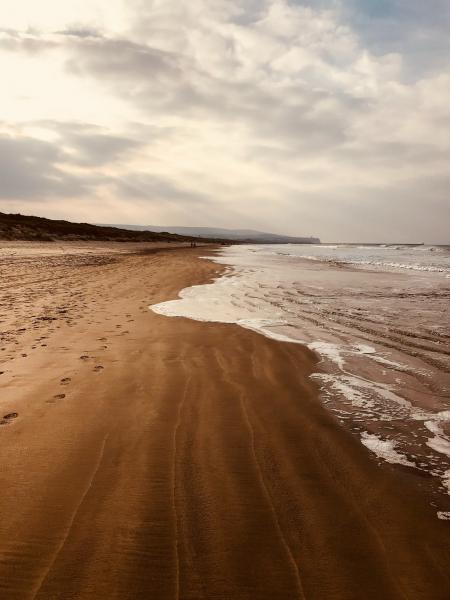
x=153 y=457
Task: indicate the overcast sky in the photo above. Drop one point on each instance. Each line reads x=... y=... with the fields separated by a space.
x=329 y=118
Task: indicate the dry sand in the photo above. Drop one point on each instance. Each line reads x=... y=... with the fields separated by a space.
x=163 y=458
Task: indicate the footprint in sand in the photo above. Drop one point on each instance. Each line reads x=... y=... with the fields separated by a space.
x=59 y=396
x=8 y=418
x=65 y=381
x=84 y=357
x=98 y=368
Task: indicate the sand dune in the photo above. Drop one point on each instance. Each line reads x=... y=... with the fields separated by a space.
x=170 y=459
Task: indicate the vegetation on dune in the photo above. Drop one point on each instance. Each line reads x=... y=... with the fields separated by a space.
x=39 y=229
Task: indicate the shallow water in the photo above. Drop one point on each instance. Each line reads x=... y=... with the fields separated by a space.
x=379 y=319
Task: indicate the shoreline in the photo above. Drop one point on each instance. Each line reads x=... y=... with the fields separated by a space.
x=157 y=457
x=384 y=377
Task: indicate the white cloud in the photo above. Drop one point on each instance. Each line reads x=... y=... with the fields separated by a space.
x=48 y=15
x=268 y=114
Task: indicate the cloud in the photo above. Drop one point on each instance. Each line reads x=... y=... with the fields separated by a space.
x=30 y=169
x=80 y=31
x=66 y=167
x=27 y=43
x=107 y=58
x=90 y=146
x=157 y=189
x=258 y=76
x=292 y=114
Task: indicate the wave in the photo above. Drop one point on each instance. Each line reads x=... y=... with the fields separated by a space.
x=375 y=263
x=398 y=265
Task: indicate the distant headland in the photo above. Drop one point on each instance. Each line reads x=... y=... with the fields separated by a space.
x=237 y=235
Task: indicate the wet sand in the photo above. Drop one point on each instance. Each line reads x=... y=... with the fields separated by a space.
x=153 y=457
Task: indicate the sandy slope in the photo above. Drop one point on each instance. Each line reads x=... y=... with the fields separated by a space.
x=163 y=458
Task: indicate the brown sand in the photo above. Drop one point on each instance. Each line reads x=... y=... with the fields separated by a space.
x=163 y=458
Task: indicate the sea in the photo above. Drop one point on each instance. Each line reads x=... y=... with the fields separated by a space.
x=378 y=317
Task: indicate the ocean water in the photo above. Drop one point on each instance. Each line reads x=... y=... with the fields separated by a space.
x=379 y=319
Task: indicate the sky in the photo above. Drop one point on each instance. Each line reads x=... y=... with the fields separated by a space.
x=328 y=118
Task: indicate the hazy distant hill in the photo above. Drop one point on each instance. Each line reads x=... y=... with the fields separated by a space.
x=22 y=227
x=240 y=235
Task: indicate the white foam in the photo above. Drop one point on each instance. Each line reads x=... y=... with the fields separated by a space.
x=309 y=257
x=390 y=363
x=444 y=516
x=439 y=443
x=264 y=326
x=396 y=265
x=446 y=480
x=381 y=389
x=364 y=349
x=341 y=385
x=332 y=351
x=202 y=303
x=371 y=353
x=385 y=449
